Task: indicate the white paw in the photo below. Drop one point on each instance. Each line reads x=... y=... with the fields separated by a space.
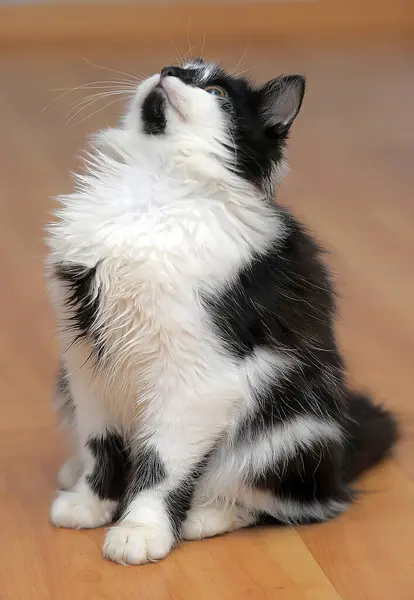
x=79 y=510
x=208 y=521
x=133 y=544
x=69 y=473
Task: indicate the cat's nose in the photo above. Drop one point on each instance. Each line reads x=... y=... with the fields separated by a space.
x=171 y=72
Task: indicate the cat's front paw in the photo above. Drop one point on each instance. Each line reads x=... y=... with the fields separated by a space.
x=81 y=510
x=135 y=544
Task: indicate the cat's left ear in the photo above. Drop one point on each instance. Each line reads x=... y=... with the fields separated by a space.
x=281 y=99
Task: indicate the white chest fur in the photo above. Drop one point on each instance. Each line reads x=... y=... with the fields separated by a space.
x=156 y=245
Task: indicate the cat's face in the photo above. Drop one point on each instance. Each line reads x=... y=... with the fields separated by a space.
x=214 y=123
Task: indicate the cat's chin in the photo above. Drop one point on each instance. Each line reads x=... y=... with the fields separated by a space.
x=169 y=99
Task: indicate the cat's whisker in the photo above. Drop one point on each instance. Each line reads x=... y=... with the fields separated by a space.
x=98 y=111
x=106 y=83
x=203 y=42
x=129 y=76
x=72 y=113
x=90 y=99
x=240 y=73
x=85 y=86
x=190 y=46
x=243 y=57
x=189 y=51
x=103 y=93
x=179 y=56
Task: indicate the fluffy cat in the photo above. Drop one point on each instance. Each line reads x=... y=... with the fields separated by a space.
x=200 y=378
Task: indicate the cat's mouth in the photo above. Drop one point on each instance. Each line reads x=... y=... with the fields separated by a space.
x=161 y=89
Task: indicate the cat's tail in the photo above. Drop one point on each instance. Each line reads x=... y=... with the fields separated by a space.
x=372 y=431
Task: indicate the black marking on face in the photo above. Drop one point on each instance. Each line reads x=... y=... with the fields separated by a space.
x=259 y=139
x=154 y=121
x=257 y=147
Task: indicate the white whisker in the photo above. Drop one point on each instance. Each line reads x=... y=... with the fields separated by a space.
x=85 y=102
x=129 y=76
x=240 y=73
x=234 y=70
x=106 y=83
x=179 y=56
x=85 y=86
x=190 y=46
x=203 y=42
x=97 y=111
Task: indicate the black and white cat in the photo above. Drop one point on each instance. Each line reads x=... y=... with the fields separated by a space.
x=200 y=377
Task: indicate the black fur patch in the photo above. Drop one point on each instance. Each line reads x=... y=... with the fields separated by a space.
x=257 y=148
x=112 y=466
x=82 y=300
x=283 y=300
x=153 y=113
x=146 y=470
x=312 y=475
x=305 y=391
x=371 y=432
x=178 y=501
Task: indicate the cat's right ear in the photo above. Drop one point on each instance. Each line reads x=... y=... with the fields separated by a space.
x=280 y=101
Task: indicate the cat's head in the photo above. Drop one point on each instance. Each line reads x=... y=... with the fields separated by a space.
x=215 y=124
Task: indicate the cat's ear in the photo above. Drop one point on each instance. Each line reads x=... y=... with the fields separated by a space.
x=281 y=99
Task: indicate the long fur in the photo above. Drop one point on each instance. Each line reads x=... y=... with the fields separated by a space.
x=200 y=379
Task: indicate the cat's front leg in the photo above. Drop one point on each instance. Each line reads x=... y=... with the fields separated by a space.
x=103 y=461
x=165 y=472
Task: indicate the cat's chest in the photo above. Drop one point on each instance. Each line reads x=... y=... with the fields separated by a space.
x=143 y=270
x=175 y=242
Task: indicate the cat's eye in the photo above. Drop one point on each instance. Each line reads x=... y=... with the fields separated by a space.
x=216 y=90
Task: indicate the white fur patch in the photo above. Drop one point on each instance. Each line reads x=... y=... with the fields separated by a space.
x=131 y=544
x=80 y=509
x=143 y=535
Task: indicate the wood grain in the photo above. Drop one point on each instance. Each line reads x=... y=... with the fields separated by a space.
x=121 y=21
x=352 y=181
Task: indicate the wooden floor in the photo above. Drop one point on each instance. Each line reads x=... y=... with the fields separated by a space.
x=352 y=181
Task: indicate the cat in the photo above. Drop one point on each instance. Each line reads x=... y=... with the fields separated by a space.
x=200 y=379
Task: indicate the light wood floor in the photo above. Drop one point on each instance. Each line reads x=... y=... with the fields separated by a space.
x=352 y=180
